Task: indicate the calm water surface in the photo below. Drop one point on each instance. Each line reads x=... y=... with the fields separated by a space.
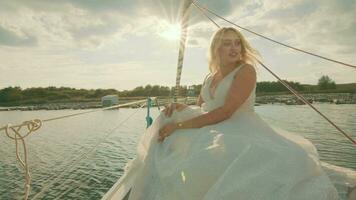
x=83 y=156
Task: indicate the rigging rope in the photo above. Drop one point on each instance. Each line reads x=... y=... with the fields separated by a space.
x=202 y=11
x=81 y=113
x=53 y=180
x=299 y=96
x=32 y=126
x=307 y=102
x=36 y=124
x=194 y=2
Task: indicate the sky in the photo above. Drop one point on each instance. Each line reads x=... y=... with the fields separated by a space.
x=123 y=44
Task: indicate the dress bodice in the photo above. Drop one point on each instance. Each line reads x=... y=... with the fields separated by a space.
x=213 y=101
x=247 y=158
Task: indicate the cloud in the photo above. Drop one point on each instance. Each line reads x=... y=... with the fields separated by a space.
x=90 y=5
x=91 y=24
x=67 y=26
x=171 y=9
x=323 y=26
x=95 y=40
x=10 y=38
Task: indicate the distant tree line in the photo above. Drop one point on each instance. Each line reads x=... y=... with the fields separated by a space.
x=275 y=86
x=39 y=95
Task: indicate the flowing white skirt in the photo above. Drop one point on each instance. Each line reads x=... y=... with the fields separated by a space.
x=239 y=158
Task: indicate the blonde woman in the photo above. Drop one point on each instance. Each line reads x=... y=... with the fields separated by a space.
x=221 y=149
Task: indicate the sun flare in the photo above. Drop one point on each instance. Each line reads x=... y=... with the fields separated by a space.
x=171 y=31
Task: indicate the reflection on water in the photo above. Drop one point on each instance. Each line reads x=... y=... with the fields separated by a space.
x=82 y=157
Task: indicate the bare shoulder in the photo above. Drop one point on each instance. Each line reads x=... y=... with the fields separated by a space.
x=247 y=71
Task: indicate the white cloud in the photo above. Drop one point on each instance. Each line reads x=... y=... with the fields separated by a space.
x=117 y=43
x=322 y=27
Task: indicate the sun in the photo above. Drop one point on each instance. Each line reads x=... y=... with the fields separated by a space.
x=171 y=31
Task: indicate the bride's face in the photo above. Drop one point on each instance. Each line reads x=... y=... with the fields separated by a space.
x=230 y=48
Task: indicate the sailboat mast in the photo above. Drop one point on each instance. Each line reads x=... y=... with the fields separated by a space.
x=184 y=26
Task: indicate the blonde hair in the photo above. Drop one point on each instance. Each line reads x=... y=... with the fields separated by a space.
x=248 y=54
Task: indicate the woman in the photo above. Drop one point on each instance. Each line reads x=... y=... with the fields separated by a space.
x=221 y=149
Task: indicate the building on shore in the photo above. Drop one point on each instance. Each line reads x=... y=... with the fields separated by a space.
x=109 y=100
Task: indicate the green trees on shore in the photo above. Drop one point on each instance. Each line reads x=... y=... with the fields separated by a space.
x=325 y=82
x=274 y=86
x=14 y=96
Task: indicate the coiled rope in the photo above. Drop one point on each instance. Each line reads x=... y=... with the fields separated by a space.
x=31 y=126
x=36 y=124
x=14 y=133
x=299 y=96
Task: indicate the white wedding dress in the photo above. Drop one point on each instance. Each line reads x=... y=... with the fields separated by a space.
x=241 y=158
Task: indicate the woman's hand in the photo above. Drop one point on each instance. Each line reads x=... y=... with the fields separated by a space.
x=173 y=106
x=166 y=131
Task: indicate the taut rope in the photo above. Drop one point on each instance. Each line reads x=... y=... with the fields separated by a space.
x=194 y=2
x=279 y=79
x=83 y=155
x=36 y=124
x=32 y=126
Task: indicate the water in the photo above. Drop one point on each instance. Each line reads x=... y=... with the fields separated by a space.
x=83 y=156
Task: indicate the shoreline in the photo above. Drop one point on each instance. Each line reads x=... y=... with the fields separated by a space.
x=287 y=99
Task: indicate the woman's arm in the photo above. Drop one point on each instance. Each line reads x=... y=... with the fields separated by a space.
x=241 y=88
x=178 y=106
x=168 y=110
